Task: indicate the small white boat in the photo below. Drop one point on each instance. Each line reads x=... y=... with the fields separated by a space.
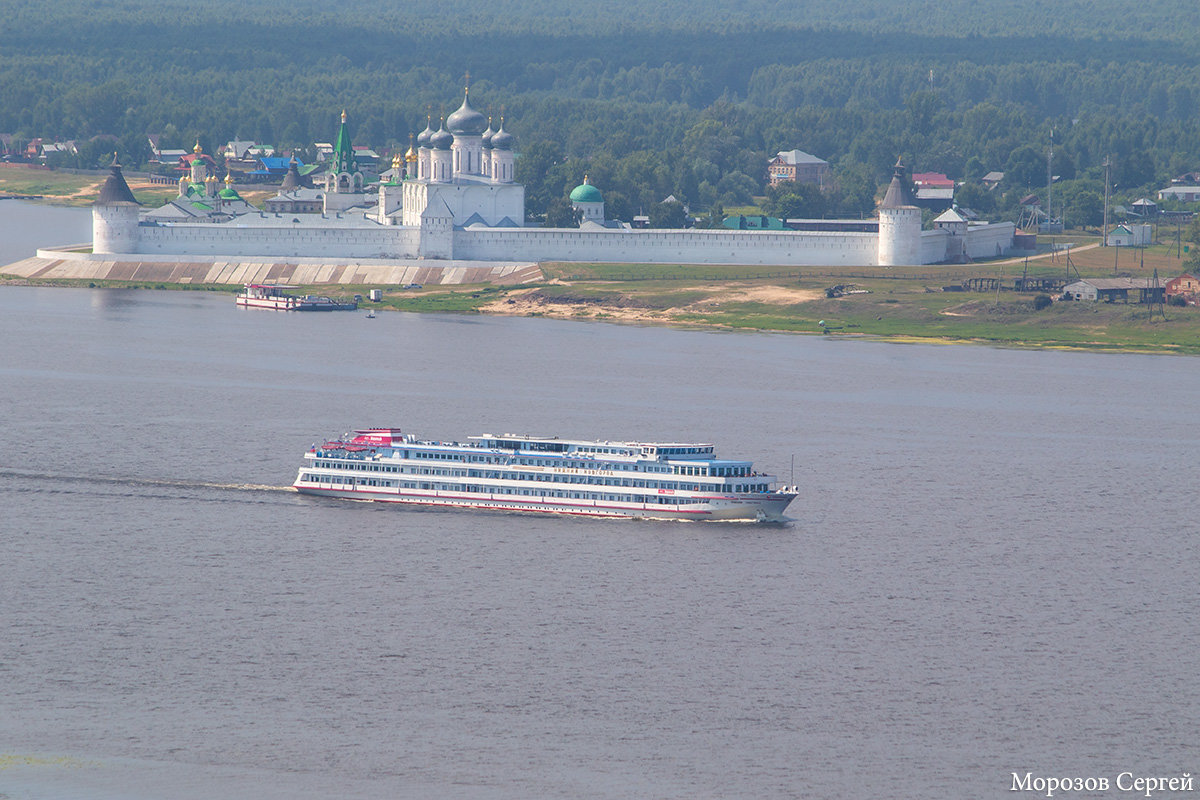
x=275 y=296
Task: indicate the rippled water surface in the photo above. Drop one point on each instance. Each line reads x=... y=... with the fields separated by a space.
x=991 y=567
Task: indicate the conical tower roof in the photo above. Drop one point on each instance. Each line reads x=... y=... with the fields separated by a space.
x=897 y=194
x=292 y=180
x=115 y=190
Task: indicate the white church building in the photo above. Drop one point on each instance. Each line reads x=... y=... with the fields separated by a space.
x=453 y=197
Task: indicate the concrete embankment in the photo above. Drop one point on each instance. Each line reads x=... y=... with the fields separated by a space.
x=69 y=264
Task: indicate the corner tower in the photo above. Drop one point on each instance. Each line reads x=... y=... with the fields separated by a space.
x=899 y=225
x=115 y=215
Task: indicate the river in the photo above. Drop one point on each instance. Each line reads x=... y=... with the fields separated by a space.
x=990 y=568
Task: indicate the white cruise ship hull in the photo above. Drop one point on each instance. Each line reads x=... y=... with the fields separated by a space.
x=545 y=475
x=768 y=507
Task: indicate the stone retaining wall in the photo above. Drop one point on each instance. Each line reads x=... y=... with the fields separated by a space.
x=61 y=264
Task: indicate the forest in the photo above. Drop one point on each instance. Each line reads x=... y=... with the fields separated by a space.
x=683 y=99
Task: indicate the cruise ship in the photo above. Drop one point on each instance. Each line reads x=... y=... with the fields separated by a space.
x=648 y=480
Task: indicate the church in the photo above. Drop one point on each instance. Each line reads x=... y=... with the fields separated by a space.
x=452 y=197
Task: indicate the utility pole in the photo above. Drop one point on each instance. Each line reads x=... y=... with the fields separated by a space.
x=1157 y=299
x=1104 y=234
x=1050 y=180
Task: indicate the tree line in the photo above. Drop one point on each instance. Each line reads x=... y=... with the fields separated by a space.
x=650 y=102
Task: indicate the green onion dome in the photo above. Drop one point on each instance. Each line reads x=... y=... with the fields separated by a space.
x=586 y=193
x=229 y=193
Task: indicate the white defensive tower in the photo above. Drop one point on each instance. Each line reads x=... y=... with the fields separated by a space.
x=115 y=215
x=899 y=225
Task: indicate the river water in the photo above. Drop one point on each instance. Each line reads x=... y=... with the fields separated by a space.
x=991 y=568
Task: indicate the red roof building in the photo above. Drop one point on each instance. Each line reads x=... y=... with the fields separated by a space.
x=932 y=180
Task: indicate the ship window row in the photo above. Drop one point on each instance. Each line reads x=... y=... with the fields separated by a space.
x=719 y=472
x=547 y=462
x=346 y=480
x=372 y=466
x=491 y=489
x=591 y=480
x=495 y=475
x=617 y=450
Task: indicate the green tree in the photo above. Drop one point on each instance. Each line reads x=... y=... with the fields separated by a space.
x=975 y=197
x=668 y=214
x=923 y=106
x=536 y=169
x=1026 y=168
x=561 y=214
x=795 y=201
x=1084 y=209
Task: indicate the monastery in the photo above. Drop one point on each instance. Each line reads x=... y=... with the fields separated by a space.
x=451 y=199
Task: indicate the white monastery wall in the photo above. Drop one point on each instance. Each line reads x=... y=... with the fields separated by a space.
x=989 y=241
x=203 y=239
x=933 y=246
x=667 y=246
x=438 y=240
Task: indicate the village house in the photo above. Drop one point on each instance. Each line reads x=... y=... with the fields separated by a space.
x=1131 y=235
x=933 y=189
x=797 y=166
x=163 y=155
x=1184 y=194
x=1186 y=285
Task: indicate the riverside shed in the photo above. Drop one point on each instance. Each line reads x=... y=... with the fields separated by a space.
x=1110 y=290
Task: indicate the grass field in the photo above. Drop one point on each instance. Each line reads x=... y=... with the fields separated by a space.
x=21 y=179
x=63 y=188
